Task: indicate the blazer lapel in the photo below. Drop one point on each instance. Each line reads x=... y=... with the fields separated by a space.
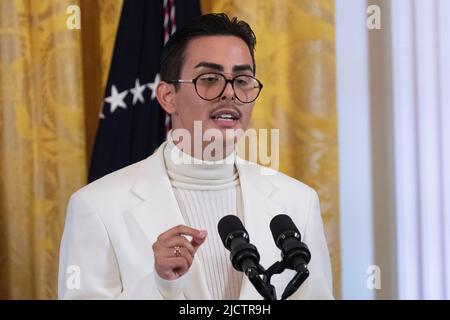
x=159 y=211
x=259 y=209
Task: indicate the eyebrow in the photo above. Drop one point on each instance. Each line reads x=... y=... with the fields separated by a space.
x=218 y=67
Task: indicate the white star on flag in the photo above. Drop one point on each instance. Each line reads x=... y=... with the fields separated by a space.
x=153 y=85
x=137 y=92
x=116 y=99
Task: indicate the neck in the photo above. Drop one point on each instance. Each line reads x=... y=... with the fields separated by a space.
x=204 y=150
x=182 y=164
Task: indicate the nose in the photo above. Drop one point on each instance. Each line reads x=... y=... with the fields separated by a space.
x=228 y=93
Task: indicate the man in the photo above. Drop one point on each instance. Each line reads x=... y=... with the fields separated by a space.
x=149 y=231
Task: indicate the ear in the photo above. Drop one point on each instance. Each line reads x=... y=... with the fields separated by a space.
x=165 y=93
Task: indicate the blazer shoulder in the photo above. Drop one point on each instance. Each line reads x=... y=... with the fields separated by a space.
x=115 y=183
x=280 y=180
x=117 y=178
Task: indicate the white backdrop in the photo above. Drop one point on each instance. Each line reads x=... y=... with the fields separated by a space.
x=409 y=89
x=421 y=83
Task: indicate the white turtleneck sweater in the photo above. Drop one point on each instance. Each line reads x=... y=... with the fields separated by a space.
x=206 y=192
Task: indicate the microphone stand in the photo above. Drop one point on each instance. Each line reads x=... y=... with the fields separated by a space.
x=279 y=267
x=265 y=289
x=296 y=282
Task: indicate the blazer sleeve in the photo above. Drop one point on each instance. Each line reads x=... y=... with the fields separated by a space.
x=319 y=284
x=88 y=266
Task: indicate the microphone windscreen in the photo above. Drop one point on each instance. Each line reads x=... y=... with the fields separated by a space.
x=228 y=224
x=281 y=223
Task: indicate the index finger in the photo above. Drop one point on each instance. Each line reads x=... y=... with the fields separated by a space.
x=180 y=230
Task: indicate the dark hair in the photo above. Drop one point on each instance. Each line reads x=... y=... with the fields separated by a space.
x=213 y=24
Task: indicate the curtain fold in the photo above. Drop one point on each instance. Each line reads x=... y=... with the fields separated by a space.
x=295 y=58
x=44 y=105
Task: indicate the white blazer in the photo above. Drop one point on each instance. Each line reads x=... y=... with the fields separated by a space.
x=111 y=224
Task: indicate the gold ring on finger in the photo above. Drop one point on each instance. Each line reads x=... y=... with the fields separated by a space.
x=177 y=251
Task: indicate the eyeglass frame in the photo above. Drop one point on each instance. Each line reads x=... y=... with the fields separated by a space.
x=194 y=81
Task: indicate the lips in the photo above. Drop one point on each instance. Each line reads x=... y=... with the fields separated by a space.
x=225 y=117
x=225 y=114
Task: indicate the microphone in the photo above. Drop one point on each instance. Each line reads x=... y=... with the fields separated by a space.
x=295 y=254
x=244 y=256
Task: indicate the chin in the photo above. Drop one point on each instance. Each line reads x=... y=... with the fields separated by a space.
x=221 y=134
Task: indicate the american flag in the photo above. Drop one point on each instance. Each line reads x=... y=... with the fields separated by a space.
x=132 y=123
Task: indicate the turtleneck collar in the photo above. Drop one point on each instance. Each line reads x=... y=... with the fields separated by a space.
x=185 y=169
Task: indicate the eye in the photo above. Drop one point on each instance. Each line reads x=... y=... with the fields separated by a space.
x=244 y=82
x=209 y=79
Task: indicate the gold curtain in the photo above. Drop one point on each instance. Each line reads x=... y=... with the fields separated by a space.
x=51 y=87
x=295 y=58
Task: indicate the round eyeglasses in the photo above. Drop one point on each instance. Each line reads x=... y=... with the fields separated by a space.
x=210 y=86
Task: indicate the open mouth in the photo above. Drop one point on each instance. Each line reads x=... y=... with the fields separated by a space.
x=225 y=114
x=225 y=118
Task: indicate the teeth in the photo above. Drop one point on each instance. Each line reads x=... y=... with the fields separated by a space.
x=226 y=116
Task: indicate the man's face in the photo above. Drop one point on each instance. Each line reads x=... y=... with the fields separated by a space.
x=227 y=55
